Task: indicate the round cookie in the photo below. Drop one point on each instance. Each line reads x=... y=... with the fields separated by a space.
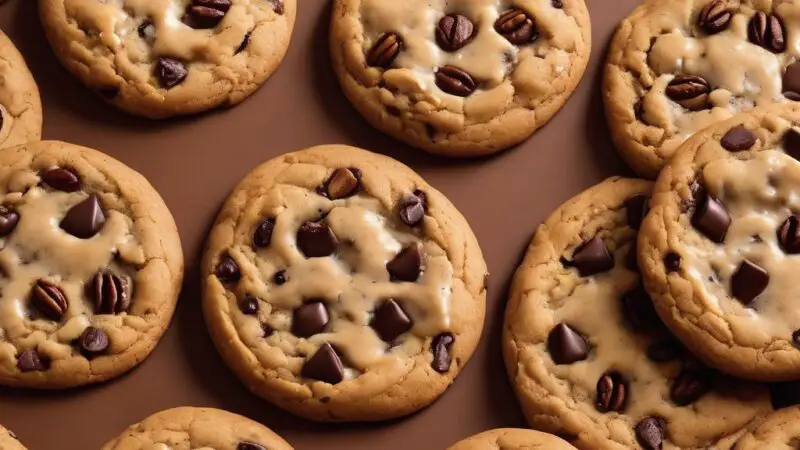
x=162 y=58
x=675 y=67
x=512 y=439
x=586 y=352
x=340 y=286
x=459 y=77
x=189 y=428
x=20 y=105
x=779 y=431
x=91 y=263
x=718 y=252
x=8 y=441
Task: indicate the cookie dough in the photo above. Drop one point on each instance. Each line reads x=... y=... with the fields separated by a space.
x=779 y=431
x=340 y=286
x=719 y=248
x=20 y=105
x=8 y=441
x=585 y=351
x=162 y=58
x=197 y=428
x=91 y=263
x=512 y=439
x=459 y=77
x=675 y=67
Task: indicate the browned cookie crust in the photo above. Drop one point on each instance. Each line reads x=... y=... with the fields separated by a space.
x=512 y=439
x=20 y=106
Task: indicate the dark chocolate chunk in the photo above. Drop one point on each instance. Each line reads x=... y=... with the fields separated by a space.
x=413 y=208
x=738 y=139
x=343 y=183
x=690 y=385
x=61 y=179
x=263 y=234
x=310 y=319
x=789 y=235
x=672 y=262
x=170 y=72
x=227 y=270
x=711 y=218
x=565 y=345
x=85 y=219
x=8 y=220
x=280 y=277
x=93 y=340
x=407 y=265
x=316 y=240
x=748 y=282
x=390 y=321
x=592 y=257
x=49 y=299
x=31 y=361
x=249 y=305
x=324 y=366
x=650 y=433
x=612 y=392
x=441 y=352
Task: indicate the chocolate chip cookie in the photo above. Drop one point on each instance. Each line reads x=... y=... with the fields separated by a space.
x=206 y=428
x=20 y=106
x=8 y=441
x=780 y=430
x=719 y=250
x=163 y=58
x=340 y=286
x=91 y=266
x=459 y=77
x=585 y=350
x=512 y=439
x=677 y=66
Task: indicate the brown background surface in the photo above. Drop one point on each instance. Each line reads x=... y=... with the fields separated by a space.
x=195 y=162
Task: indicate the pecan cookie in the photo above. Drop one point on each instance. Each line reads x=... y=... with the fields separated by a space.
x=162 y=58
x=20 y=105
x=340 y=286
x=459 y=77
x=8 y=441
x=190 y=428
x=585 y=350
x=677 y=66
x=779 y=431
x=512 y=439
x=91 y=266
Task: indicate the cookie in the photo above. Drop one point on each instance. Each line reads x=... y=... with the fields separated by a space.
x=585 y=351
x=459 y=77
x=91 y=263
x=780 y=430
x=340 y=286
x=20 y=105
x=675 y=67
x=8 y=441
x=189 y=428
x=164 y=58
x=512 y=439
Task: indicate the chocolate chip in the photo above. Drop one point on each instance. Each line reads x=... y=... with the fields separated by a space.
x=557 y=4
x=243 y=45
x=711 y=218
x=31 y=361
x=49 y=299
x=413 y=208
x=690 y=385
x=280 y=277
x=632 y=260
x=748 y=282
x=316 y=240
x=737 y=139
x=789 y=235
x=343 y=183
x=791 y=81
x=61 y=179
x=204 y=14
x=385 y=50
x=592 y=257
x=453 y=32
x=517 y=27
x=455 y=81
x=636 y=209
x=310 y=319
x=227 y=270
x=565 y=345
x=766 y=30
x=791 y=143
x=263 y=234
x=85 y=219
x=650 y=433
x=441 y=352
x=249 y=446
x=249 y=305
x=93 y=340
x=715 y=17
x=664 y=351
x=8 y=220
x=277 y=6
x=611 y=392
x=390 y=321
x=111 y=293
x=407 y=265
x=672 y=262
x=170 y=72
x=689 y=91
x=325 y=366
x=639 y=310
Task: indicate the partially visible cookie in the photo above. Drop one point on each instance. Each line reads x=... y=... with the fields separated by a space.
x=512 y=439
x=779 y=431
x=677 y=66
x=91 y=266
x=719 y=250
x=8 y=441
x=166 y=58
x=341 y=286
x=195 y=428
x=459 y=77
x=20 y=105
x=585 y=350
